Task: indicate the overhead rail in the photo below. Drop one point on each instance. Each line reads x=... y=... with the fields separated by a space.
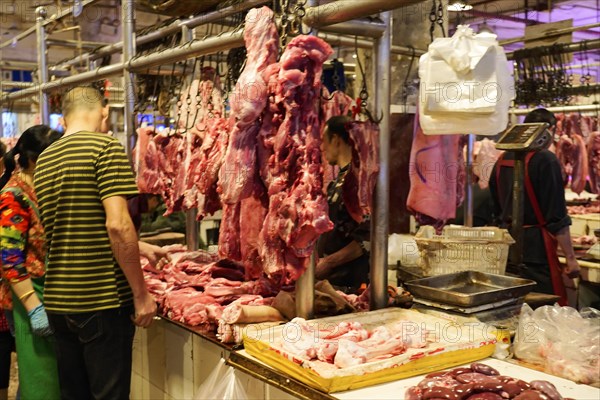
x=32 y=30
x=175 y=27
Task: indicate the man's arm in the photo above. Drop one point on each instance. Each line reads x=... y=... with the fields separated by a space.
x=327 y=264
x=563 y=238
x=124 y=243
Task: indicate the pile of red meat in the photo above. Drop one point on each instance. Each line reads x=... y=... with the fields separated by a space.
x=578 y=150
x=194 y=287
x=346 y=344
x=480 y=382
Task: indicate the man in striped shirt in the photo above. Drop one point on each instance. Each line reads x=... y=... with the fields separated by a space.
x=94 y=291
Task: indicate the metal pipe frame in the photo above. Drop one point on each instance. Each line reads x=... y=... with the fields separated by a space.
x=17 y=65
x=128 y=32
x=18 y=85
x=31 y=30
x=571 y=48
x=340 y=40
x=361 y=27
x=558 y=109
x=166 y=31
x=347 y=10
x=73 y=44
x=380 y=212
x=191 y=229
x=42 y=58
x=214 y=44
x=468 y=206
x=552 y=33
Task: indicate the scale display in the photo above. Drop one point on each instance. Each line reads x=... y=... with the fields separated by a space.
x=525 y=137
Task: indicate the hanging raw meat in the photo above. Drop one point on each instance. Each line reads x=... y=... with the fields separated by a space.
x=291 y=164
x=435 y=170
x=248 y=101
x=359 y=184
x=147 y=175
x=573 y=156
x=334 y=104
x=485 y=160
x=594 y=161
x=203 y=174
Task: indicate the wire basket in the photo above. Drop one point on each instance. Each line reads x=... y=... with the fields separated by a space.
x=460 y=248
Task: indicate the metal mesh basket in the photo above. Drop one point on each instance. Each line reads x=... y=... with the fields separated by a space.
x=460 y=248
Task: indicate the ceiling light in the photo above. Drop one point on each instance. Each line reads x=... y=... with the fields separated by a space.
x=459 y=6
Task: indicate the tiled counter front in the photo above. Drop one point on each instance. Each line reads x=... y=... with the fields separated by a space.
x=171 y=362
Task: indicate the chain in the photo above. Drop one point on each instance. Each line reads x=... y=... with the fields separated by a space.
x=432 y=19
x=286 y=21
x=440 y=18
x=336 y=75
x=179 y=102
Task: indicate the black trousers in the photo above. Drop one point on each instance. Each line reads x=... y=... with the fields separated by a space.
x=7 y=346
x=93 y=352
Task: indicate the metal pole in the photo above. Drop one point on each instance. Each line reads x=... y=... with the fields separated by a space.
x=128 y=31
x=346 y=10
x=380 y=217
x=518 y=211
x=468 y=206
x=305 y=285
x=191 y=229
x=40 y=16
x=169 y=30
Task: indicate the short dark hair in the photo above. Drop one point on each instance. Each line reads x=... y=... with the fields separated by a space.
x=337 y=126
x=541 y=115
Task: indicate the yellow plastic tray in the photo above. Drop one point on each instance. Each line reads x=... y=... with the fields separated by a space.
x=391 y=369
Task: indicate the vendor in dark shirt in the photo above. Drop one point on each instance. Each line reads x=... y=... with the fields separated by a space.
x=343 y=258
x=546 y=222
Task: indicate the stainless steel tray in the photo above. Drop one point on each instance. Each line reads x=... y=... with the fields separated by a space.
x=469 y=288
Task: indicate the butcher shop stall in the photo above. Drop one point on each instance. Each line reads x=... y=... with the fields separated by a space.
x=226 y=110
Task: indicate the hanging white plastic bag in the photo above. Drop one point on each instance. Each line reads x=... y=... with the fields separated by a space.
x=222 y=384
x=465 y=85
x=564 y=341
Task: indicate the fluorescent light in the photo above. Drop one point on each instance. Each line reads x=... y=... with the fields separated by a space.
x=459 y=6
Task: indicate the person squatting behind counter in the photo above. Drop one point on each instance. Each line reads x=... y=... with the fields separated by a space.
x=343 y=251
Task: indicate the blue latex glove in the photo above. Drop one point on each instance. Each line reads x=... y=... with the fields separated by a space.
x=38 y=320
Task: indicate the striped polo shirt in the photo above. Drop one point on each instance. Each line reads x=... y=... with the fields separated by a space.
x=72 y=177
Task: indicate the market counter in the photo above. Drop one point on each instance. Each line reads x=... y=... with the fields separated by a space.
x=171 y=361
x=396 y=389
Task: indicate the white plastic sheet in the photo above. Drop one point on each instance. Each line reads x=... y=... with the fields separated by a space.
x=465 y=85
x=222 y=384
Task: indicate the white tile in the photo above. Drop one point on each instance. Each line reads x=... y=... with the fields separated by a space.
x=154 y=356
x=253 y=388
x=206 y=357
x=272 y=393
x=179 y=362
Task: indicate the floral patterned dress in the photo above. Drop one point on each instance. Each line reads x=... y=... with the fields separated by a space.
x=22 y=241
x=22 y=256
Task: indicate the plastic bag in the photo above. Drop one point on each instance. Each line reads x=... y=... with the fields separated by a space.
x=403 y=248
x=222 y=384
x=565 y=341
x=466 y=86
